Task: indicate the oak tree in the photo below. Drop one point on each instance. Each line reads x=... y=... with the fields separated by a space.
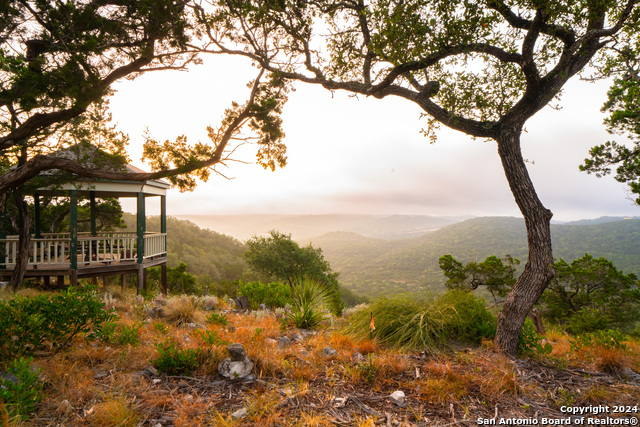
x=58 y=59
x=623 y=109
x=277 y=257
x=482 y=67
x=495 y=274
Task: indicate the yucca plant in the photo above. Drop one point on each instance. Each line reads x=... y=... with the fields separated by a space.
x=308 y=301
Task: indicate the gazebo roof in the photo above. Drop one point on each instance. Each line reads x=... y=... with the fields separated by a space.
x=87 y=154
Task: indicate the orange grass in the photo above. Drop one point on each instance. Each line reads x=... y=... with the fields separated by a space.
x=300 y=371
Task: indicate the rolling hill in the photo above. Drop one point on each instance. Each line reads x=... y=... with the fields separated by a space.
x=374 y=266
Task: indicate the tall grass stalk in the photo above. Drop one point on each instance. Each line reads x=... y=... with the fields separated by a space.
x=403 y=322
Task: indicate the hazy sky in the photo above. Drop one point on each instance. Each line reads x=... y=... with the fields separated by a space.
x=359 y=155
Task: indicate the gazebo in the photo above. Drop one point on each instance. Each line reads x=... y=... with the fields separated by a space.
x=93 y=254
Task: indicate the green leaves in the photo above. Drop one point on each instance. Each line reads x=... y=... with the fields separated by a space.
x=278 y=257
x=37 y=323
x=494 y=273
x=591 y=294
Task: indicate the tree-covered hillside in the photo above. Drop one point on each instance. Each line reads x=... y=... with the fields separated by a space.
x=373 y=266
x=204 y=251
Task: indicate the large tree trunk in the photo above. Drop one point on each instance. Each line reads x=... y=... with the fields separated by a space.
x=539 y=268
x=24 y=237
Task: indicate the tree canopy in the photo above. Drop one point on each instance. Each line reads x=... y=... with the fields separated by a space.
x=623 y=108
x=496 y=274
x=591 y=294
x=479 y=67
x=277 y=257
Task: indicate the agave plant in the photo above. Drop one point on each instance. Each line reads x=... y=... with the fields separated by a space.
x=308 y=301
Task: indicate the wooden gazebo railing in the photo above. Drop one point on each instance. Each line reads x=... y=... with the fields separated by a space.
x=54 y=249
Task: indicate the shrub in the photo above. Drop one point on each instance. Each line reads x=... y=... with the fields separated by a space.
x=609 y=339
x=35 y=323
x=607 y=346
x=529 y=342
x=217 y=319
x=22 y=391
x=467 y=318
x=175 y=361
x=210 y=337
x=308 y=300
x=113 y=333
x=591 y=294
x=272 y=294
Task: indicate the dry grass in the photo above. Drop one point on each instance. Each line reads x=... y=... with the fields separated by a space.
x=99 y=384
x=114 y=411
x=181 y=310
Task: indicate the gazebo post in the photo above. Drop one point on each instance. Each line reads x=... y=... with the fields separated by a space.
x=140 y=229
x=92 y=212
x=36 y=216
x=163 y=229
x=73 y=232
x=3 y=235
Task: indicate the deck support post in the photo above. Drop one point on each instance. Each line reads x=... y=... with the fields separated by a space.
x=123 y=283
x=60 y=282
x=140 y=276
x=73 y=231
x=163 y=278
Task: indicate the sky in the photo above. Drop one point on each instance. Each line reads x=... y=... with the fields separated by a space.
x=366 y=156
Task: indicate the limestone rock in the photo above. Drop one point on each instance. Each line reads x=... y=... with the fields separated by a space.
x=358 y=358
x=240 y=414
x=284 y=342
x=397 y=397
x=238 y=365
x=329 y=352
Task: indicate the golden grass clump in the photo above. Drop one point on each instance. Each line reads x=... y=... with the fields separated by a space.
x=609 y=360
x=114 y=411
x=181 y=310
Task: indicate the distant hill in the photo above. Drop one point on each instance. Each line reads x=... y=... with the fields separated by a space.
x=375 y=266
x=306 y=226
x=204 y=251
x=601 y=220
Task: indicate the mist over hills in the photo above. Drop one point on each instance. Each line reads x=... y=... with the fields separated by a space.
x=382 y=255
x=242 y=227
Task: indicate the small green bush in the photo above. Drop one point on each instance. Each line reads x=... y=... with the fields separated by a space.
x=175 y=361
x=24 y=392
x=467 y=318
x=608 y=338
x=271 y=294
x=217 y=319
x=30 y=323
x=114 y=333
x=529 y=342
x=587 y=320
x=210 y=337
